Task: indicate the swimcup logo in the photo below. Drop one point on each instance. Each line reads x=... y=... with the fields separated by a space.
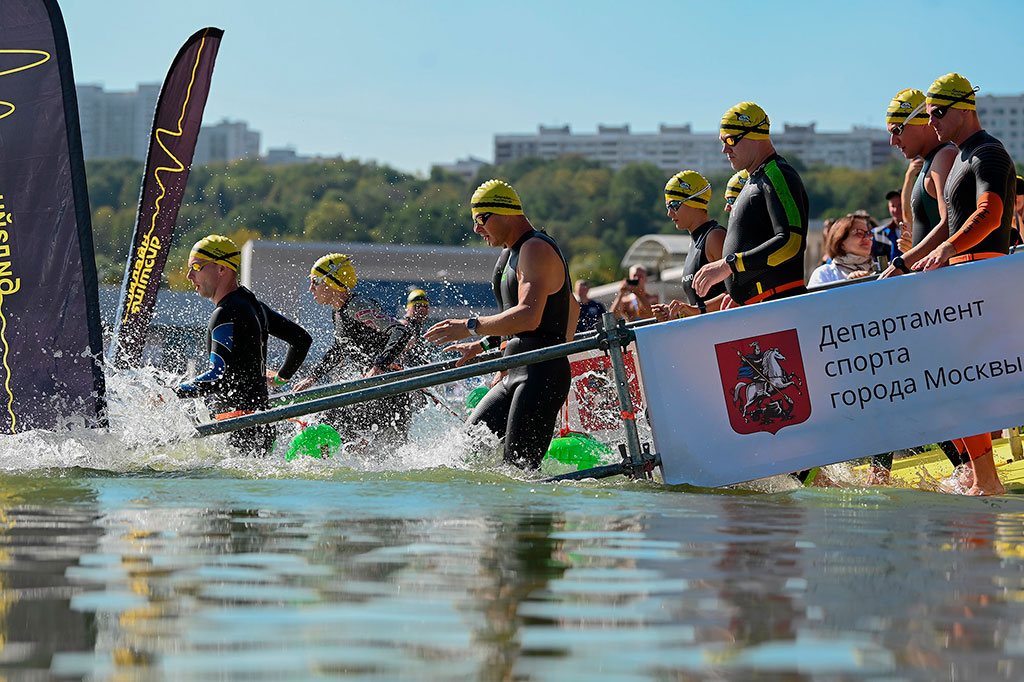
x=906 y=105
x=743 y=117
x=684 y=185
x=763 y=382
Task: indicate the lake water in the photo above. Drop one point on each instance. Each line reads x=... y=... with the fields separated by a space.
x=126 y=559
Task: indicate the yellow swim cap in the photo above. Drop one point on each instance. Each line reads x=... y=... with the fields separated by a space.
x=336 y=269
x=736 y=183
x=218 y=249
x=689 y=187
x=416 y=296
x=952 y=90
x=495 y=196
x=747 y=118
x=907 y=108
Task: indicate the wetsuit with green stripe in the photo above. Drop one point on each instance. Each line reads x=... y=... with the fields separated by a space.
x=925 y=207
x=768 y=233
x=523 y=408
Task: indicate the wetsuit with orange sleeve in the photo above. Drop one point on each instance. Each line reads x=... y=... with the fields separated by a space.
x=768 y=235
x=979 y=193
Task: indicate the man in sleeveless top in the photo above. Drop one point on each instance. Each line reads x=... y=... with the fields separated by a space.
x=367 y=340
x=686 y=200
x=767 y=235
x=907 y=122
x=537 y=309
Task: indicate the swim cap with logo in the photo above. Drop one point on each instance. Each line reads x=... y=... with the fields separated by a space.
x=689 y=187
x=495 y=196
x=907 y=107
x=748 y=118
x=736 y=183
x=218 y=249
x=416 y=296
x=953 y=90
x=335 y=269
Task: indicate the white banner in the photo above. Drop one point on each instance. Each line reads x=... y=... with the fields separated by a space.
x=835 y=375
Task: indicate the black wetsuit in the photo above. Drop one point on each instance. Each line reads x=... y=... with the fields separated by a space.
x=925 y=207
x=236 y=340
x=365 y=337
x=981 y=166
x=523 y=408
x=696 y=258
x=768 y=233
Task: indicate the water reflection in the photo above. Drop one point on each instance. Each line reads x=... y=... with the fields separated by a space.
x=229 y=579
x=45 y=525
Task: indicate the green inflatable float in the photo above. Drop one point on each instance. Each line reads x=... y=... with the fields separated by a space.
x=572 y=447
x=320 y=441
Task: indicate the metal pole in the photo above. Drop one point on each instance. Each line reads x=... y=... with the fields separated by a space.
x=401 y=386
x=340 y=388
x=616 y=335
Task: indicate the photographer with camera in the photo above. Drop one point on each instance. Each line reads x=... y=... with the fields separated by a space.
x=632 y=301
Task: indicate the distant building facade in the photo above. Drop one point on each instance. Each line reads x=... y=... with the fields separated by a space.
x=1003 y=117
x=116 y=125
x=467 y=167
x=676 y=146
x=226 y=141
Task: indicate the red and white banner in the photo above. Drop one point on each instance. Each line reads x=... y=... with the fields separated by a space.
x=593 y=404
x=835 y=375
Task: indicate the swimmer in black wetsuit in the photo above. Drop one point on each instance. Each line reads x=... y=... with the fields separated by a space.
x=533 y=290
x=237 y=342
x=686 y=201
x=767 y=235
x=367 y=339
x=979 y=197
x=417 y=350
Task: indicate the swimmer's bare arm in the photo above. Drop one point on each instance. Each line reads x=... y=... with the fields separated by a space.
x=574 y=317
x=938 y=172
x=540 y=273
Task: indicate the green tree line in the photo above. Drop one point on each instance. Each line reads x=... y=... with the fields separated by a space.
x=595 y=213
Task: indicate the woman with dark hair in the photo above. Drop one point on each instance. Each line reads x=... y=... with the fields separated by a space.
x=848 y=244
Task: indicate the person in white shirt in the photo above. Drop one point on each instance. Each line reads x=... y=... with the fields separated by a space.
x=848 y=244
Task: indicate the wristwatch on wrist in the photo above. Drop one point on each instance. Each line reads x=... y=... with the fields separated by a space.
x=731 y=260
x=471 y=324
x=898 y=263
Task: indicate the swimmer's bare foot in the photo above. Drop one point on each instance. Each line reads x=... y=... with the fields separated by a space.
x=879 y=476
x=986 y=480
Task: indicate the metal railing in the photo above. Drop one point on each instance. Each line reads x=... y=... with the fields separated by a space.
x=610 y=337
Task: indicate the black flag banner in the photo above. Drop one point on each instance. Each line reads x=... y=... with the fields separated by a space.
x=51 y=342
x=179 y=113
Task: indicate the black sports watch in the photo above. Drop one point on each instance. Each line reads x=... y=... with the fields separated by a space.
x=471 y=325
x=898 y=263
x=731 y=260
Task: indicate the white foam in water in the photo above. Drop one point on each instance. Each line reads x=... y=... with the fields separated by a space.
x=152 y=429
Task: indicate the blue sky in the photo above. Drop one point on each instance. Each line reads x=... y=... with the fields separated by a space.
x=415 y=83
